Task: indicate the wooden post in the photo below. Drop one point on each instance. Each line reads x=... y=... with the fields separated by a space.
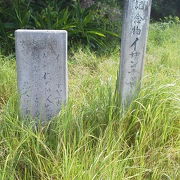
x=133 y=46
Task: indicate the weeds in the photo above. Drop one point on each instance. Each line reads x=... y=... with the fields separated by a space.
x=90 y=139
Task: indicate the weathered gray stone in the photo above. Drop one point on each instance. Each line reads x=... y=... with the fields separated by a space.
x=133 y=47
x=41 y=57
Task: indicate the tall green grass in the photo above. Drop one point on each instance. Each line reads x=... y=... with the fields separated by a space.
x=91 y=139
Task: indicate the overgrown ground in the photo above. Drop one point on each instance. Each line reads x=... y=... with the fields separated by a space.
x=90 y=139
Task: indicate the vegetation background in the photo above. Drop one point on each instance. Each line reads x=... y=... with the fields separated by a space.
x=90 y=138
x=92 y=22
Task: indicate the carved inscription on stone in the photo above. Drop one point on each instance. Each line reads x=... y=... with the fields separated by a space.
x=133 y=45
x=42 y=72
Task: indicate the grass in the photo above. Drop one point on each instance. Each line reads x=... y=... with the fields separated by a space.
x=91 y=139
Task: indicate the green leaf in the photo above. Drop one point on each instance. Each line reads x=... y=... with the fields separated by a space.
x=97 y=33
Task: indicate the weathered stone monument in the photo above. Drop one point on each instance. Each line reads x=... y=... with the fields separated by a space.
x=42 y=72
x=133 y=47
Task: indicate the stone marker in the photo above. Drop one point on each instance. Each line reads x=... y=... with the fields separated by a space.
x=41 y=57
x=133 y=47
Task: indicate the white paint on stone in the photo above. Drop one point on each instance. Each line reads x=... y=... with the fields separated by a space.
x=41 y=57
x=133 y=47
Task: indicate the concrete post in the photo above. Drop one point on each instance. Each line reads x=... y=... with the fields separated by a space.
x=41 y=57
x=133 y=47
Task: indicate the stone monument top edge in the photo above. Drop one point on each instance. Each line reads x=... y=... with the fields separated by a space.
x=39 y=31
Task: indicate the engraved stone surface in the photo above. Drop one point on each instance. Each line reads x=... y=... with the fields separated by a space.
x=41 y=57
x=133 y=47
